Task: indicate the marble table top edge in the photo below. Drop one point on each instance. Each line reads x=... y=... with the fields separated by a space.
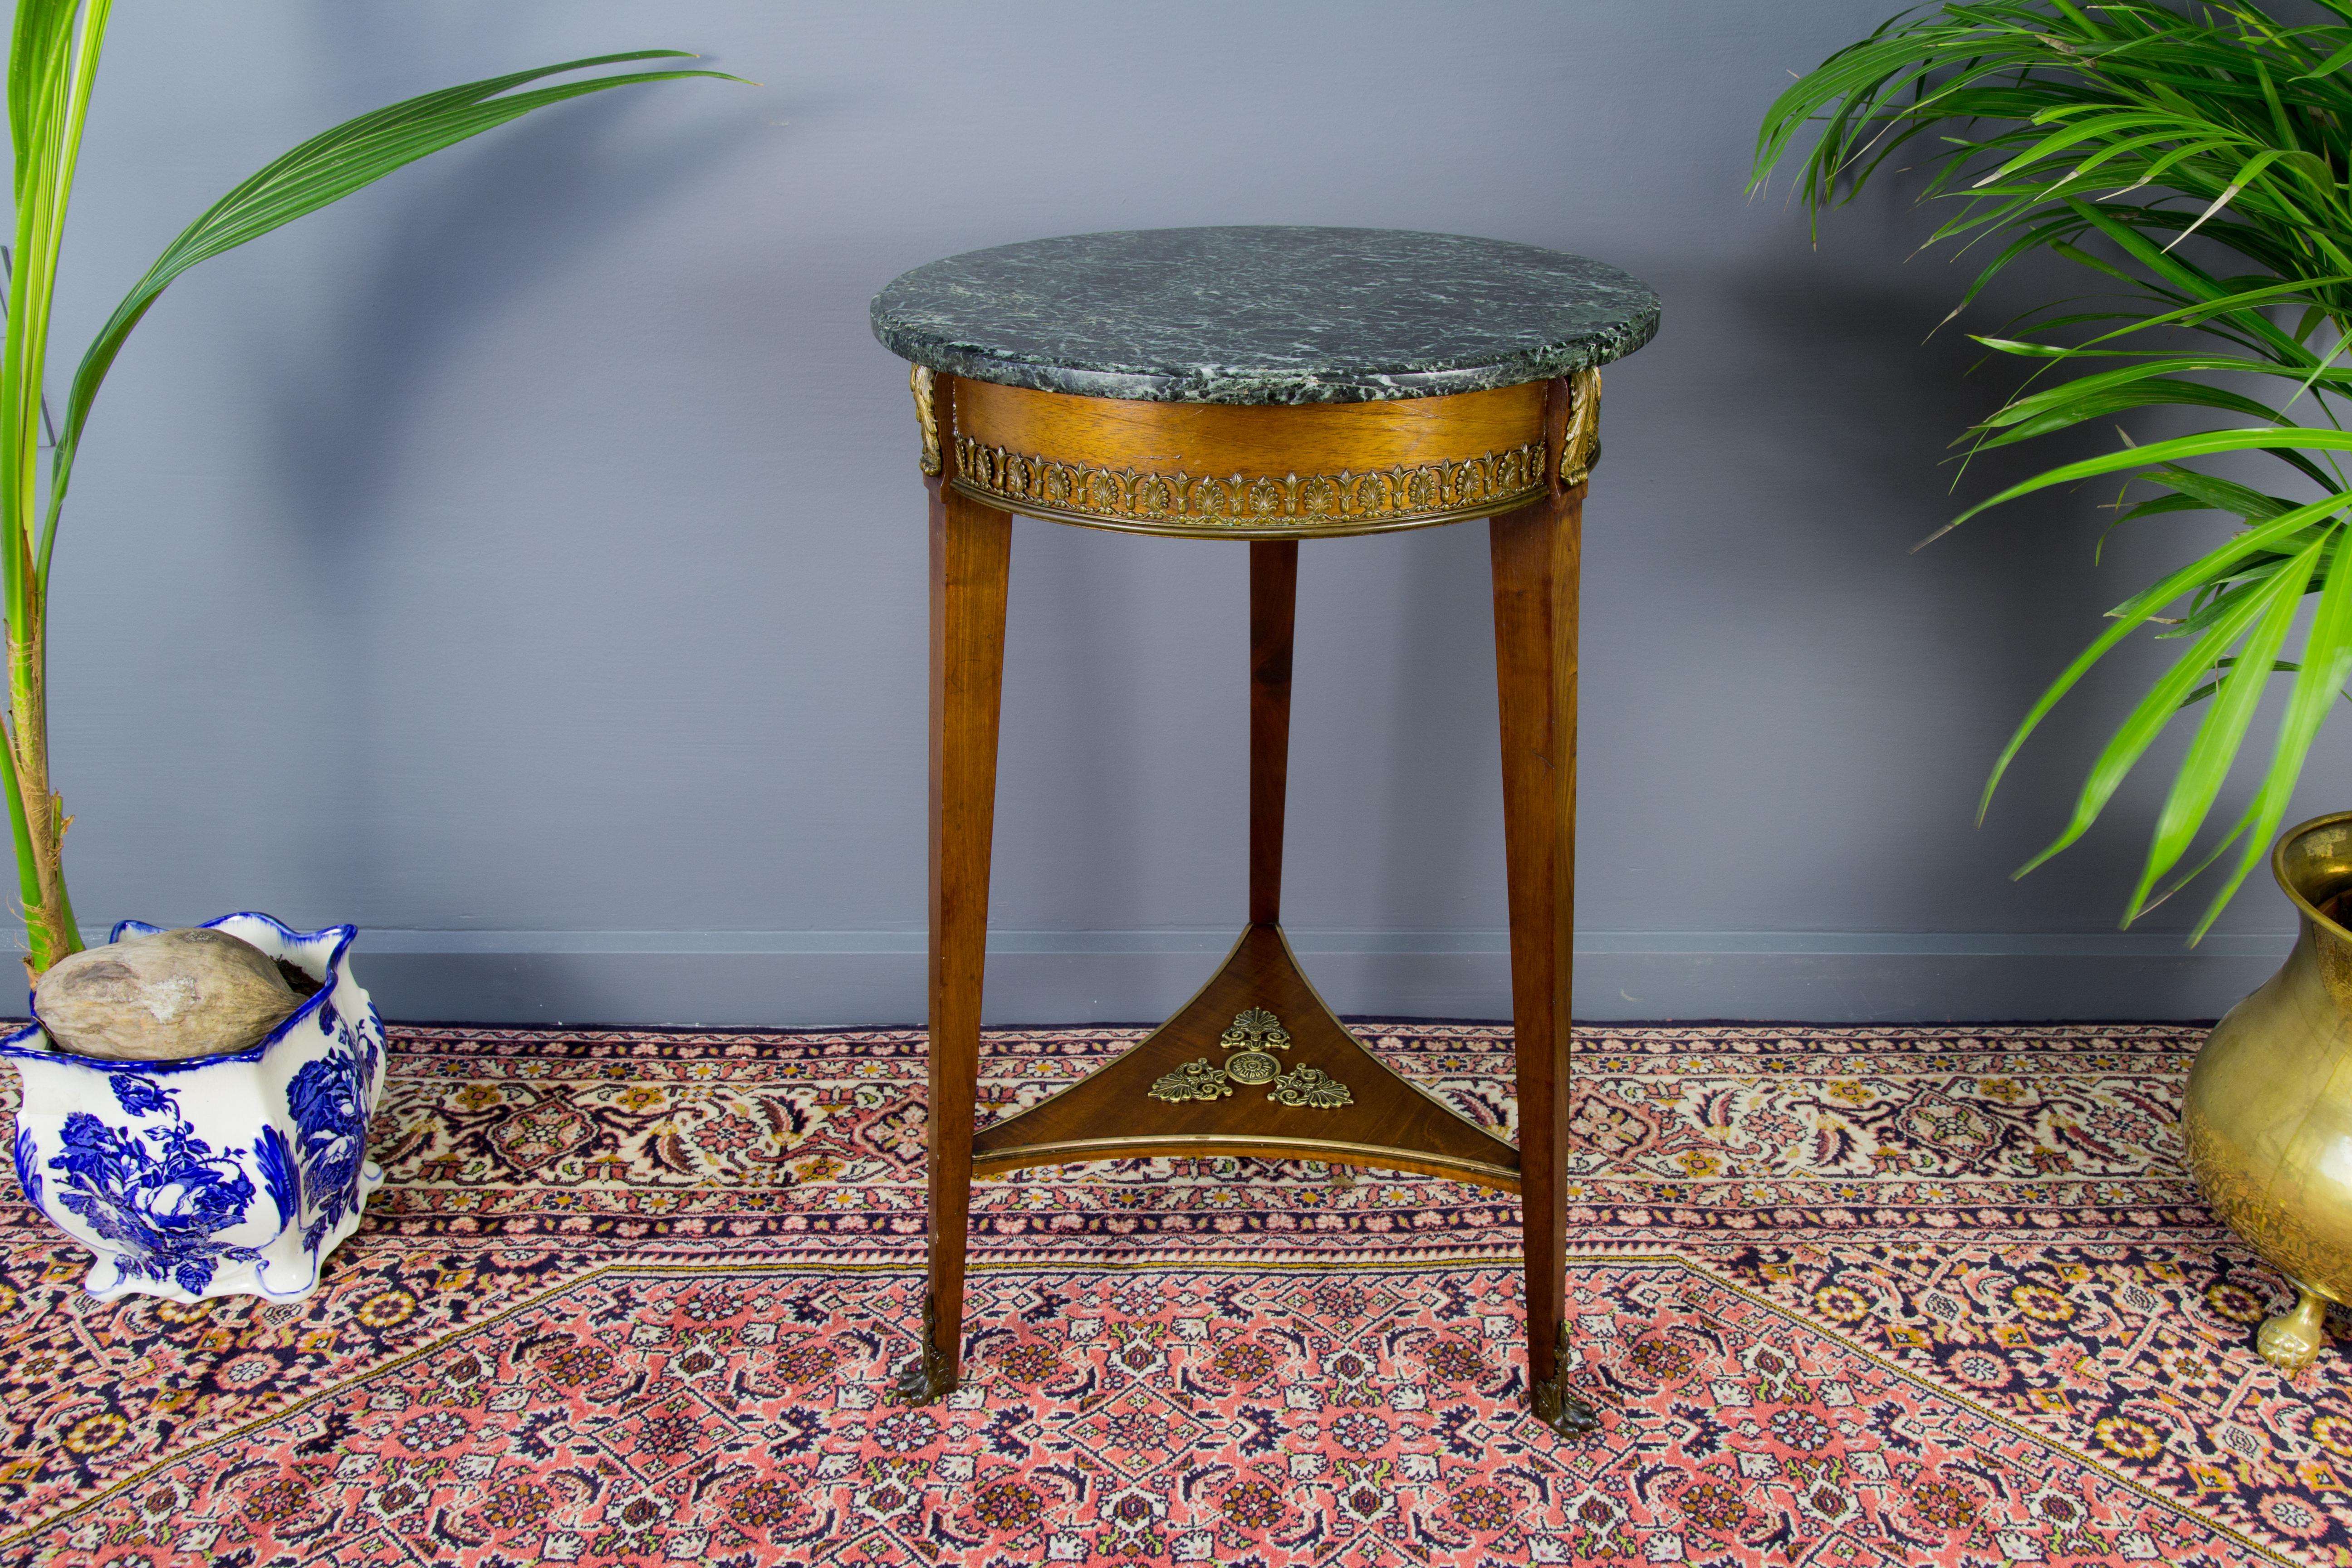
x=1263 y=315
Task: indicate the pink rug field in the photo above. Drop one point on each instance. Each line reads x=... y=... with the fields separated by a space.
x=1843 y=1297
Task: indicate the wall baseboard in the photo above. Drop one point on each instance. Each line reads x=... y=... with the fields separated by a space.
x=876 y=978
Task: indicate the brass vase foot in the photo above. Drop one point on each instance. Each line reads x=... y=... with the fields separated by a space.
x=2292 y=1340
x=2267 y=1116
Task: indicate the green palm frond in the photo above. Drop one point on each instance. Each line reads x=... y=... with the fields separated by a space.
x=2196 y=162
x=52 y=63
x=325 y=169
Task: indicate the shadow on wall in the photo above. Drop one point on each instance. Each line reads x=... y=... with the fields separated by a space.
x=1431 y=760
x=469 y=237
x=1122 y=772
x=1947 y=645
x=462 y=240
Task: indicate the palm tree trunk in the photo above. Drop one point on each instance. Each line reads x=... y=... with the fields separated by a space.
x=37 y=814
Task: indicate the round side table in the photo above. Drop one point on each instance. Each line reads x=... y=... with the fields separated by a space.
x=1268 y=384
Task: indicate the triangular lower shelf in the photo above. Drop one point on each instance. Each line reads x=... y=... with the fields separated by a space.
x=1112 y=1115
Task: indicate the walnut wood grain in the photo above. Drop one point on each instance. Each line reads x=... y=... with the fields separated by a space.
x=1390 y=1124
x=1110 y=436
x=1111 y=1115
x=1217 y=438
x=1536 y=559
x=1273 y=606
x=970 y=554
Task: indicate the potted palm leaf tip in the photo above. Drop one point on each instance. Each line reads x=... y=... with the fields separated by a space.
x=196 y=1102
x=2191 y=160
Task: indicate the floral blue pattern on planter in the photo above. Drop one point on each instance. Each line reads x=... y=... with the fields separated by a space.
x=222 y=1175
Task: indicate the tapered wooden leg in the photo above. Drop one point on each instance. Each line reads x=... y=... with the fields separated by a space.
x=1274 y=605
x=971 y=552
x=1535 y=559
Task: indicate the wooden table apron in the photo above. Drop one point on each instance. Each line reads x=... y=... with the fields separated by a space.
x=1272 y=475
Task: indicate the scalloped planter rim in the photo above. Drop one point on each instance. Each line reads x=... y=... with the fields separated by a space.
x=222 y=1175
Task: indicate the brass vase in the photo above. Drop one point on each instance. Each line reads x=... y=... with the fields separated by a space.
x=2268 y=1116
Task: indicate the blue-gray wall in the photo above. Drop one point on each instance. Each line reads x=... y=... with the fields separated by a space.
x=525 y=559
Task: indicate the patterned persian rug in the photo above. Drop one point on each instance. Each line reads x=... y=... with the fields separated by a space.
x=1852 y=1297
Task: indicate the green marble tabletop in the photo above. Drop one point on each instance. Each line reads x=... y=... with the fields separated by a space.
x=1264 y=315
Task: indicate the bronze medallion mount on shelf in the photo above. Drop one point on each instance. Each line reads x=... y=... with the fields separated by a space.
x=1119 y=1112
x=1253 y=1033
x=1257 y=1064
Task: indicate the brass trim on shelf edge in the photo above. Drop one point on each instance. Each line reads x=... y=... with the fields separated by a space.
x=1255 y=506
x=1193 y=1145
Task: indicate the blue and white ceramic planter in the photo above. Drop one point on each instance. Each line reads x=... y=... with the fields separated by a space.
x=230 y=1175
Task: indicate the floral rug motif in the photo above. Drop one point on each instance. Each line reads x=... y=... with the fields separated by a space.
x=1856 y=1297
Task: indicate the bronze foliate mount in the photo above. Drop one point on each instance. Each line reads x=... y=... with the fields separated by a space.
x=919 y=381
x=1250 y=1037
x=1580 y=447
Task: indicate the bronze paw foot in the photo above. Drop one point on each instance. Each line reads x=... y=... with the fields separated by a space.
x=926 y=1379
x=930 y=1376
x=1563 y=1412
x=1556 y=1405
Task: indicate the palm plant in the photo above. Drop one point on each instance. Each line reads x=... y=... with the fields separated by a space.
x=2106 y=136
x=52 y=64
